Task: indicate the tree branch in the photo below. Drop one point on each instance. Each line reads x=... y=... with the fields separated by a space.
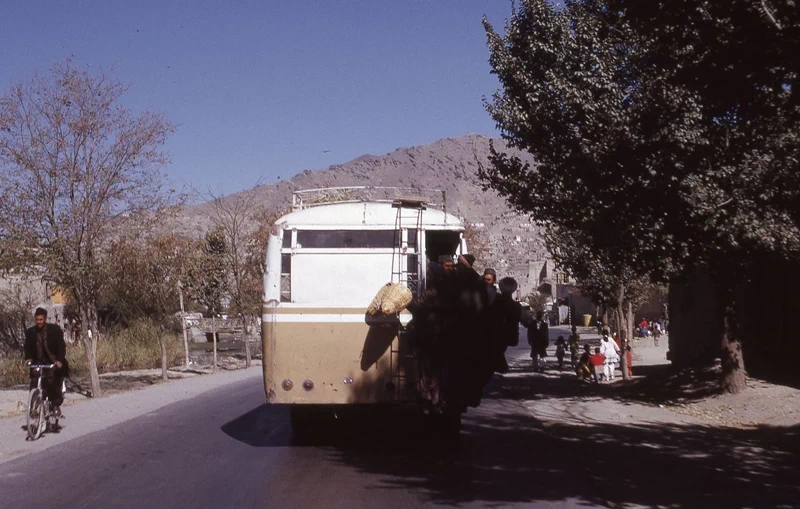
x=770 y=15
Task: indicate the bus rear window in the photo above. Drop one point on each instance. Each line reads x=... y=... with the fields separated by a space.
x=339 y=239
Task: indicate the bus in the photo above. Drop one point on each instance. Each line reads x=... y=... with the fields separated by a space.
x=325 y=262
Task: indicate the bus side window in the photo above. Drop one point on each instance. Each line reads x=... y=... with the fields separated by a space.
x=286 y=277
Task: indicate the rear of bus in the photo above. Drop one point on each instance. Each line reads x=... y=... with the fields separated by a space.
x=324 y=266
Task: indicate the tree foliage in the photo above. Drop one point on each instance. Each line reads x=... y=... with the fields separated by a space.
x=241 y=224
x=662 y=140
x=144 y=274
x=77 y=167
x=207 y=276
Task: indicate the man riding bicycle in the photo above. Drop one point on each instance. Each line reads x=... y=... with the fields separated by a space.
x=44 y=344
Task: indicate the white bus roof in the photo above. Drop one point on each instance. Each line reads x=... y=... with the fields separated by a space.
x=367 y=214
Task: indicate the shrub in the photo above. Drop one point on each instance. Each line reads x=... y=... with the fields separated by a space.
x=13 y=371
x=133 y=347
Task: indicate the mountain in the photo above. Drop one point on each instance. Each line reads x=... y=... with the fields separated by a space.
x=450 y=164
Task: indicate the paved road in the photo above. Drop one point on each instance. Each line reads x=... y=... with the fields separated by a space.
x=225 y=448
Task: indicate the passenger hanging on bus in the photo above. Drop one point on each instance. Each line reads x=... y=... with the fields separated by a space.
x=467 y=335
x=490 y=280
x=499 y=329
x=431 y=316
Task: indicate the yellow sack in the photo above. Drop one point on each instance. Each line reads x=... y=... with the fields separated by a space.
x=390 y=299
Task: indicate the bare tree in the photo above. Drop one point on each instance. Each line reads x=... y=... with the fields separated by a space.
x=17 y=298
x=77 y=166
x=234 y=218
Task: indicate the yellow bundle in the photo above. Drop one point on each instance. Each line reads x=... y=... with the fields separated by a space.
x=390 y=299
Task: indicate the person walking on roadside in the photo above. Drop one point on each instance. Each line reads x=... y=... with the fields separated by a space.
x=597 y=361
x=656 y=332
x=539 y=340
x=611 y=352
x=573 y=343
x=629 y=359
x=585 y=370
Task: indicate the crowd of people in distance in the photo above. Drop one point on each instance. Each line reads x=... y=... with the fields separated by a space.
x=463 y=323
x=604 y=359
x=654 y=329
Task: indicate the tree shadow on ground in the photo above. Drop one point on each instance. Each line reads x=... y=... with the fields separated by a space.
x=652 y=384
x=514 y=459
x=506 y=456
x=510 y=457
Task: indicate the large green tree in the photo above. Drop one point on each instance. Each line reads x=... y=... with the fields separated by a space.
x=639 y=156
x=144 y=272
x=207 y=280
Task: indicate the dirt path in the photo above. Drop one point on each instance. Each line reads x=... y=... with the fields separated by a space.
x=92 y=415
x=655 y=443
x=661 y=393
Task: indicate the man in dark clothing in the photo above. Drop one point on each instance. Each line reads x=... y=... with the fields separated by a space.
x=505 y=314
x=469 y=302
x=44 y=344
x=539 y=340
x=490 y=279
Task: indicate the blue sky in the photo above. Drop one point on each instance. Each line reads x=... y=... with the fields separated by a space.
x=260 y=89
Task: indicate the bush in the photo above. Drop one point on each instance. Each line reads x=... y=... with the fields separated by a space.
x=13 y=371
x=134 y=347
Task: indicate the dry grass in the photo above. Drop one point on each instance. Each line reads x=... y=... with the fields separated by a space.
x=135 y=347
x=13 y=371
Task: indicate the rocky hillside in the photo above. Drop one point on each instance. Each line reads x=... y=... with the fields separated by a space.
x=450 y=164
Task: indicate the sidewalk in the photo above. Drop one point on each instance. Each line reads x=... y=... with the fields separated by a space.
x=626 y=445
x=97 y=414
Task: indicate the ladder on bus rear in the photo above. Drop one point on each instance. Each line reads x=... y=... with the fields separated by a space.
x=407 y=267
x=407 y=243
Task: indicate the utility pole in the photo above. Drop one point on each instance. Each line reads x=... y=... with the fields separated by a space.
x=183 y=326
x=214 y=338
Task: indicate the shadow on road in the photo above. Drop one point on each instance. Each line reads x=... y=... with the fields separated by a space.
x=507 y=456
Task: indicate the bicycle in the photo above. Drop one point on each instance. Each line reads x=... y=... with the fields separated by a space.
x=39 y=416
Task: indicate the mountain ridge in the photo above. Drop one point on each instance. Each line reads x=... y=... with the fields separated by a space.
x=450 y=164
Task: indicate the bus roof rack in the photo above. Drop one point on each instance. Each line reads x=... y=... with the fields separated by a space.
x=398 y=196
x=411 y=202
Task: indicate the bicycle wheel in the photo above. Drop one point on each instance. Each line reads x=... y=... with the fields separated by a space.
x=34 y=410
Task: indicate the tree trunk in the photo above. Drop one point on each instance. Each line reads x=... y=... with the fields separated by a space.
x=183 y=326
x=247 y=358
x=629 y=319
x=734 y=377
x=89 y=323
x=214 y=339
x=623 y=333
x=162 y=341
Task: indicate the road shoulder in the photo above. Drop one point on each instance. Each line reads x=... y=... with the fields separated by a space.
x=98 y=414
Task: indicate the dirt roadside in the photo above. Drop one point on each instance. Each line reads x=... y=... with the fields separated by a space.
x=87 y=415
x=663 y=439
x=657 y=393
x=12 y=400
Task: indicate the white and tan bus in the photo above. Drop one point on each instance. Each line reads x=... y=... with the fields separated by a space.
x=326 y=260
